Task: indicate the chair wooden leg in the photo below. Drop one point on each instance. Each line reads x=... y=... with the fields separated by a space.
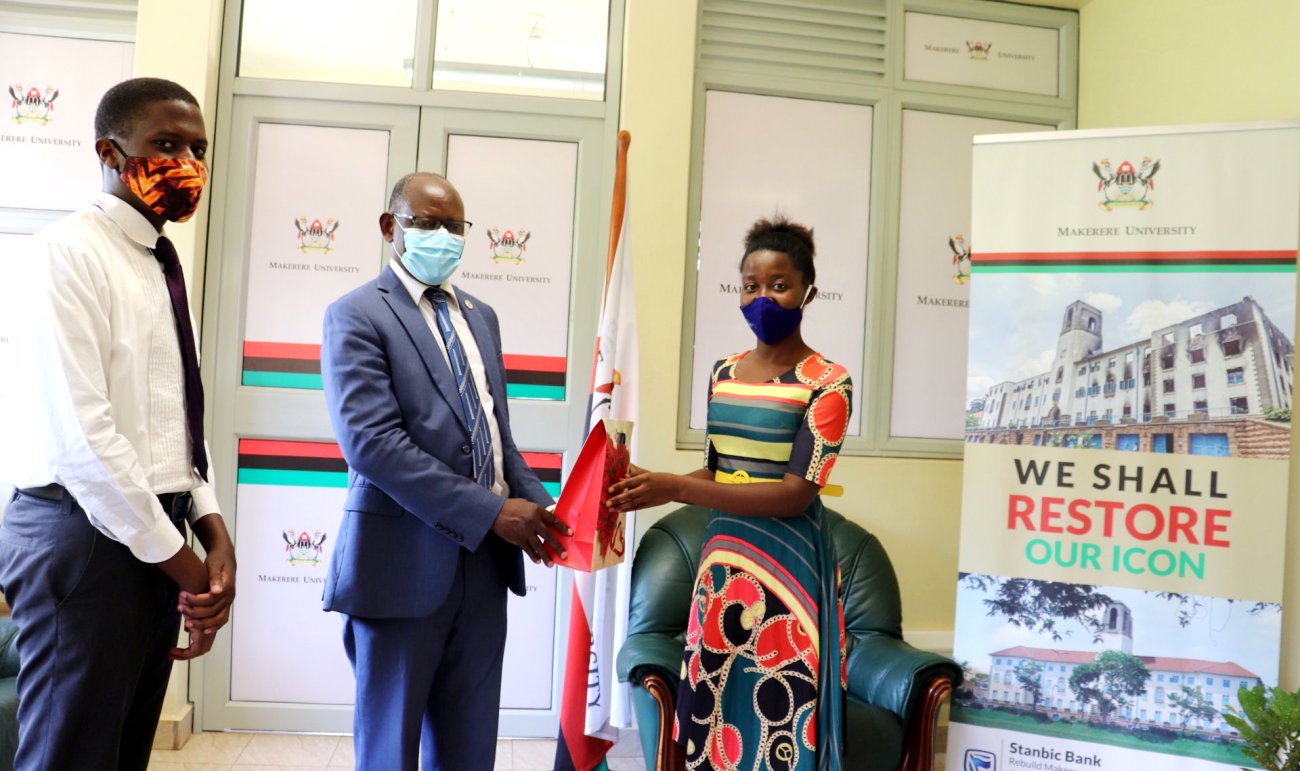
x=918 y=751
x=668 y=753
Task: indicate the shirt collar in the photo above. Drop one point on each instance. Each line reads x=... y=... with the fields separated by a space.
x=131 y=221
x=416 y=287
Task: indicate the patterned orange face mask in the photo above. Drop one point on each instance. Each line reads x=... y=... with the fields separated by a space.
x=170 y=186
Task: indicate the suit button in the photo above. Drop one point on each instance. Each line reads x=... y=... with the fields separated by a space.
x=466 y=449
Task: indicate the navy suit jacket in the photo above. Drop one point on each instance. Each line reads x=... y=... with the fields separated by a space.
x=412 y=500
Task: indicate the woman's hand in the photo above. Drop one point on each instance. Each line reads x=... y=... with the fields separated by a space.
x=643 y=490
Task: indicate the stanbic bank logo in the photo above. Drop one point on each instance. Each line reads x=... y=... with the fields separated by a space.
x=1125 y=186
x=980 y=760
x=33 y=106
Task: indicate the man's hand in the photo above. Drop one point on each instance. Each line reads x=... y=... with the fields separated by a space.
x=200 y=644
x=188 y=572
x=207 y=611
x=529 y=526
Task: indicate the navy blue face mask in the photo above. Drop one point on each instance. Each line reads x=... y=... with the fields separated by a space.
x=771 y=321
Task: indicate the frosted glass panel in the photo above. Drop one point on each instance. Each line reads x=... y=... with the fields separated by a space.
x=47 y=121
x=806 y=159
x=519 y=254
x=934 y=249
x=536 y=47
x=333 y=41
x=312 y=239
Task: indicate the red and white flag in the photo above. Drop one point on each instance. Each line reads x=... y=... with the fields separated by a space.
x=593 y=704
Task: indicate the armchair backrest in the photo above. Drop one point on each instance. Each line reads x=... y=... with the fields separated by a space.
x=663 y=577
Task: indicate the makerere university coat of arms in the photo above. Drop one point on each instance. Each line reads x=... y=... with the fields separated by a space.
x=960 y=258
x=507 y=247
x=1126 y=186
x=33 y=106
x=315 y=237
x=303 y=548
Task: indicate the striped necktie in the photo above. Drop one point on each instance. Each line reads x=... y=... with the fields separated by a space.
x=471 y=407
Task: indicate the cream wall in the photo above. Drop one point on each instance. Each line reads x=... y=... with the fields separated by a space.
x=1159 y=62
x=182 y=42
x=913 y=506
x=1187 y=61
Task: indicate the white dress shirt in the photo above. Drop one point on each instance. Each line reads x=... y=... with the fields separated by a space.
x=96 y=391
x=417 y=289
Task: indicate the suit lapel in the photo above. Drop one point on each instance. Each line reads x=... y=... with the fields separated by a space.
x=417 y=329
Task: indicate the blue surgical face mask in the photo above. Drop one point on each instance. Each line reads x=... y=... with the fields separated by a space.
x=771 y=321
x=431 y=255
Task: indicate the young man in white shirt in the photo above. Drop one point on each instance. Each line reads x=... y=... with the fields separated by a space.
x=107 y=454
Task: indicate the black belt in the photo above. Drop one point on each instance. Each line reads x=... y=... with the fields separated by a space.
x=175 y=505
x=48 y=492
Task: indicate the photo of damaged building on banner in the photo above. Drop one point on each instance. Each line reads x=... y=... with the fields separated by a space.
x=1216 y=383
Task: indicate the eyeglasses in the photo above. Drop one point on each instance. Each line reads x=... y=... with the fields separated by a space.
x=455 y=227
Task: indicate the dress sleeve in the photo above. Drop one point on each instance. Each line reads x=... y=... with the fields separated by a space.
x=817 y=444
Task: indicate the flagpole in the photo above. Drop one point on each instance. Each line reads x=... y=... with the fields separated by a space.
x=619 y=202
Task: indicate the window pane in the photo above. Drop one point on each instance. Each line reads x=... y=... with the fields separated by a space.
x=311 y=240
x=52 y=87
x=520 y=251
x=811 y=161
x=531 y=47
x=333 y=41
x=929 y=397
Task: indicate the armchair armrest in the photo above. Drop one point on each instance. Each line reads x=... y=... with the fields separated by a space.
x=652 y=661
x=650 y=653
x=8 y=647
x=889 y=673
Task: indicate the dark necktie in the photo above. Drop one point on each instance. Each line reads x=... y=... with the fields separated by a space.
x=165 y=252
x=471 y=407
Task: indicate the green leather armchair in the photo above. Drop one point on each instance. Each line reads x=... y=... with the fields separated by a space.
x=8 y=693
x=894 y=690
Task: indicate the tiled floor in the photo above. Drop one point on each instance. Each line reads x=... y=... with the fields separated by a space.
x=301 y=752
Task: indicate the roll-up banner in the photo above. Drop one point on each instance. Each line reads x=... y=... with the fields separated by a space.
x=1132 y=319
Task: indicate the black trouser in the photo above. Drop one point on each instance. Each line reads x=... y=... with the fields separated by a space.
x=94 y=628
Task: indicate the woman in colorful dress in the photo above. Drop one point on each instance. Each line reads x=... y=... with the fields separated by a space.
x=762 y=673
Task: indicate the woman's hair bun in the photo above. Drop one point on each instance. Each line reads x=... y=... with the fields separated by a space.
x=779 y=233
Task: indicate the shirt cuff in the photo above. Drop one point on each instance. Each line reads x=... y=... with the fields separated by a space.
x=204 y=502
x=157 y=545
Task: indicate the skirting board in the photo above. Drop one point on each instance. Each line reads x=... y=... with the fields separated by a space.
x=174 y=730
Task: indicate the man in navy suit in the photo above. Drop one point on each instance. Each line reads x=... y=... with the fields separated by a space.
x=440 y=503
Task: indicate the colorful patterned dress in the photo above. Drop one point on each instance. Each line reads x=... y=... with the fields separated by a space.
x=766 y=625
